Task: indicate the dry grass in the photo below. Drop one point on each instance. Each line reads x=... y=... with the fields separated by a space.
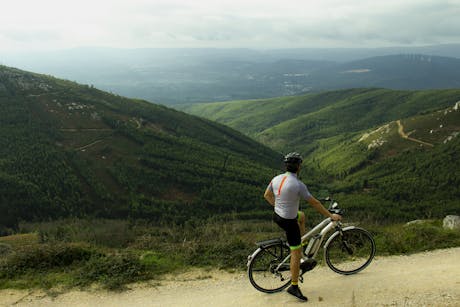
x=20 y=240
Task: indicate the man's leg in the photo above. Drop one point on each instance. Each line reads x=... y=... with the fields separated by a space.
x=295 y=268
x=295 y=265
x=301 y=221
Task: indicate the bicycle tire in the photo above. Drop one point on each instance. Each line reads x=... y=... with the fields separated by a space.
x=350 y=251
x=261 y=269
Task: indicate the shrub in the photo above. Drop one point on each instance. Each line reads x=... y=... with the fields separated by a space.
x=43 y=257
x=102 y=232
x=156 y=263
x=113 y=271
x=5 y=249
x=399 y=239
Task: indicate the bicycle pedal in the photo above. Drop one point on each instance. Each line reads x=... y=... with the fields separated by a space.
x=308 y=265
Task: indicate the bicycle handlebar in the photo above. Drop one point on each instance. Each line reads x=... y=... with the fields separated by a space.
x=333 y=207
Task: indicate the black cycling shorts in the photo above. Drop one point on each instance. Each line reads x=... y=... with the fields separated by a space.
x=291 y=227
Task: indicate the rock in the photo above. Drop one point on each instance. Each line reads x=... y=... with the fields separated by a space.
x=451 y=222
x=417 y=222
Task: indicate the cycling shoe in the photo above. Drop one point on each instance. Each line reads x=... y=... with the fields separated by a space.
x=293 y=290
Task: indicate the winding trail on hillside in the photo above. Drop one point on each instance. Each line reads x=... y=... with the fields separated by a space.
x=89 y=145
x=425 y=279
x=407 y=137
x=87 y=129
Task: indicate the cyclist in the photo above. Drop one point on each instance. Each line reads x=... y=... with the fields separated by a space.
x=284 y=193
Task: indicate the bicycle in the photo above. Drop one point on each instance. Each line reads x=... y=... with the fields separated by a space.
x=347 y=251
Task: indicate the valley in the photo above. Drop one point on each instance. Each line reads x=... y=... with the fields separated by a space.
x=138 y=139
x=351 y=139
x=101 y=189
x=127 y=156
x=194 y=75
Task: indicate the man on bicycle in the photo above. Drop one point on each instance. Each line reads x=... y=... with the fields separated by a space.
x=284 y=193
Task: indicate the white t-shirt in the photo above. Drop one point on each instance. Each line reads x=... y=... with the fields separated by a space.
x=288 y=191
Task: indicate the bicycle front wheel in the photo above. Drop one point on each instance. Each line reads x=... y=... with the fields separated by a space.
x=350 y=251
x=266 y=271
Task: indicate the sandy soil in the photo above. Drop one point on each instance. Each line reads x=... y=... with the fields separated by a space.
x=425 y=279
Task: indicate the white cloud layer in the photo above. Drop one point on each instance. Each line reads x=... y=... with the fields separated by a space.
x=56 y=24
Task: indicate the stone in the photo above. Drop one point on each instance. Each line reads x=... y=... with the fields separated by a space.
x=451 y=222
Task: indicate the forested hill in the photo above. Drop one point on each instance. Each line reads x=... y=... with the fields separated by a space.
x=389 y=154
x=68 y=150
x=300 y=121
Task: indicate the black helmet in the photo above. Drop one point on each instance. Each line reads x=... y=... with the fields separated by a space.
x=293 y=157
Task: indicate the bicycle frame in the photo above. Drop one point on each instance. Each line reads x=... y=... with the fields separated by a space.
x=322 y=229
x=347 y=250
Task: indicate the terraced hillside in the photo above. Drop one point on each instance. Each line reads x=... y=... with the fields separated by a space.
x=70 y=149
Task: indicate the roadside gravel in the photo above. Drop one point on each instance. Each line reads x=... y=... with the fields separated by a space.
x=424 y=279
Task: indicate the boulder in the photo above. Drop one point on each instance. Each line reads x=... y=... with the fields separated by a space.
x=451 y=222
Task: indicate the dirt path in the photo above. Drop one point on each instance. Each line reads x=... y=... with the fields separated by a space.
x=407 y=137
x=89 y=145
x=425 y=279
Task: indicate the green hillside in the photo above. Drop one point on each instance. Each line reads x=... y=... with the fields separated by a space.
x=70 y=150
x=299 y=120
x=253 y=117
x=407 y=168
x=363 y=143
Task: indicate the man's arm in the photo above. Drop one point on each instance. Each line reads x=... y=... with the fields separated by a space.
x=320 y=208
x=269 y=196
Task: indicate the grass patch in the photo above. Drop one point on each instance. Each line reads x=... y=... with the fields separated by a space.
x=23 y=239
x=406 y=239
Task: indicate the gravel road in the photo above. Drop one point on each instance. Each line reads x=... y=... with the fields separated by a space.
x=424 y=279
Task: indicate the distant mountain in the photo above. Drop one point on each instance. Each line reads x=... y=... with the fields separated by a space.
x=393 y=154
x=70 y=150
x=179 y=76
x=408 y=71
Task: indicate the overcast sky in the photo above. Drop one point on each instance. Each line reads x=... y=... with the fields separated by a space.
x=59 y=24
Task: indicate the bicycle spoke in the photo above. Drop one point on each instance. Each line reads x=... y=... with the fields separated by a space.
x=263 y=272
x=351 y=251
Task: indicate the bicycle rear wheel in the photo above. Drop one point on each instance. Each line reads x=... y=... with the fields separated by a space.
x=265 y=272
x=350 y=251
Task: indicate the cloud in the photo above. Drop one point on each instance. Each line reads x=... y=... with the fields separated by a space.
x=225 y=23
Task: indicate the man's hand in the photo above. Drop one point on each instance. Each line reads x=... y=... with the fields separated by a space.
x=320 y=208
